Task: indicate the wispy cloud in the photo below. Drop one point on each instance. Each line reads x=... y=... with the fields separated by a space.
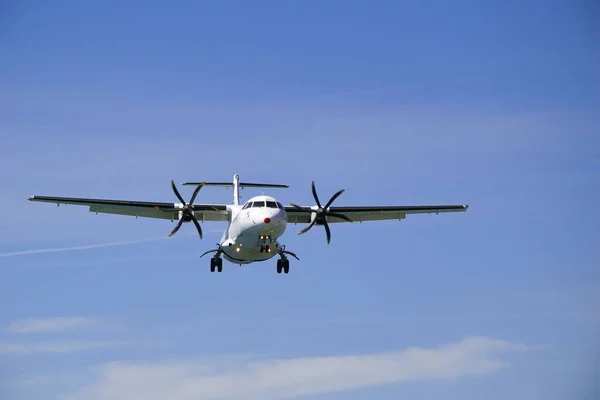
x=53 y=324
x=98 y=246
x=101 y=245
x=289 y=378
x=57 y=346
x=87 y=247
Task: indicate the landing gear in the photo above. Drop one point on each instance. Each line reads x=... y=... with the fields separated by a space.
x=216 y=263
x=265 y=246
x=283 y=265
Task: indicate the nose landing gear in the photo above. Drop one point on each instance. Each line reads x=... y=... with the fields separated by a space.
x=265 y=244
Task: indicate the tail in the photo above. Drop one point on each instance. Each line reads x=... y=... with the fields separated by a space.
x=236 y=184
x=236 y=190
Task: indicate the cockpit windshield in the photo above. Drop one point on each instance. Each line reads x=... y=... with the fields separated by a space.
x=263 y=203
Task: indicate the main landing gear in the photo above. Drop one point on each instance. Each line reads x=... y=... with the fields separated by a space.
x=283 y=264
x=216 y=262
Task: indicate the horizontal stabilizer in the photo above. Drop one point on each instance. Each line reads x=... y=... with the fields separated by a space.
x=241 y=184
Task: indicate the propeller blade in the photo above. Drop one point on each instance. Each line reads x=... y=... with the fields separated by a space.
x=195 y=221
x=335 y=196
x=308 y=227
x=177 y=193
x=326 y=225
x=179 y=223
x=167 y=209
x=195 y=193
x=314 y=191
x=340 y=216
x=299 y=208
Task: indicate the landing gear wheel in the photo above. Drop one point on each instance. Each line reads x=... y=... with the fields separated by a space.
x=216 y=263
x=283 y=265
x=286 y=266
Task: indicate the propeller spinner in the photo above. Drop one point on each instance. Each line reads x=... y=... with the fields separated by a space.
x=321 y=212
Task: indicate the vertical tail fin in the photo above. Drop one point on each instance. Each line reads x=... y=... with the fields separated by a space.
x=236 y=189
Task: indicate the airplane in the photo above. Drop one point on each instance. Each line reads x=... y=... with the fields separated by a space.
x=254 y=229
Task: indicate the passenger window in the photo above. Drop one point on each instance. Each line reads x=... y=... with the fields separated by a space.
x=271 y=204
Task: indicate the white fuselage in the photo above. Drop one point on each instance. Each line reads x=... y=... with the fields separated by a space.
x=253 y=230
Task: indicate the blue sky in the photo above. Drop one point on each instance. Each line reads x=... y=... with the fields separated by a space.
x=492 y=105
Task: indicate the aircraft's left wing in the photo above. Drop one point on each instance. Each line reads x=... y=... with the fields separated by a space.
x=141 y=209
x=370 y=213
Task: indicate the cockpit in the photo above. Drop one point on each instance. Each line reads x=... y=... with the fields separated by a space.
x=263 y=203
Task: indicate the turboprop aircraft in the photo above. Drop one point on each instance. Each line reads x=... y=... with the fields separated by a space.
x=254 y=228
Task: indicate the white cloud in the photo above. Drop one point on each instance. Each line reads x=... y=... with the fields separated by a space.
x=53 y=324
x=66 y=346
x=289 y=378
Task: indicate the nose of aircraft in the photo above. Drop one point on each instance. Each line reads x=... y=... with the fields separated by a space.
x=271 y=216
x=270 y=221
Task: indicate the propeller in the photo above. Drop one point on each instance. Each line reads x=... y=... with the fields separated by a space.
x=187 y=213
x=321 y=212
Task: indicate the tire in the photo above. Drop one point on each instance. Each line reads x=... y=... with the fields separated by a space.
x=279 y=266
x=286 y=266
x=212 y=265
